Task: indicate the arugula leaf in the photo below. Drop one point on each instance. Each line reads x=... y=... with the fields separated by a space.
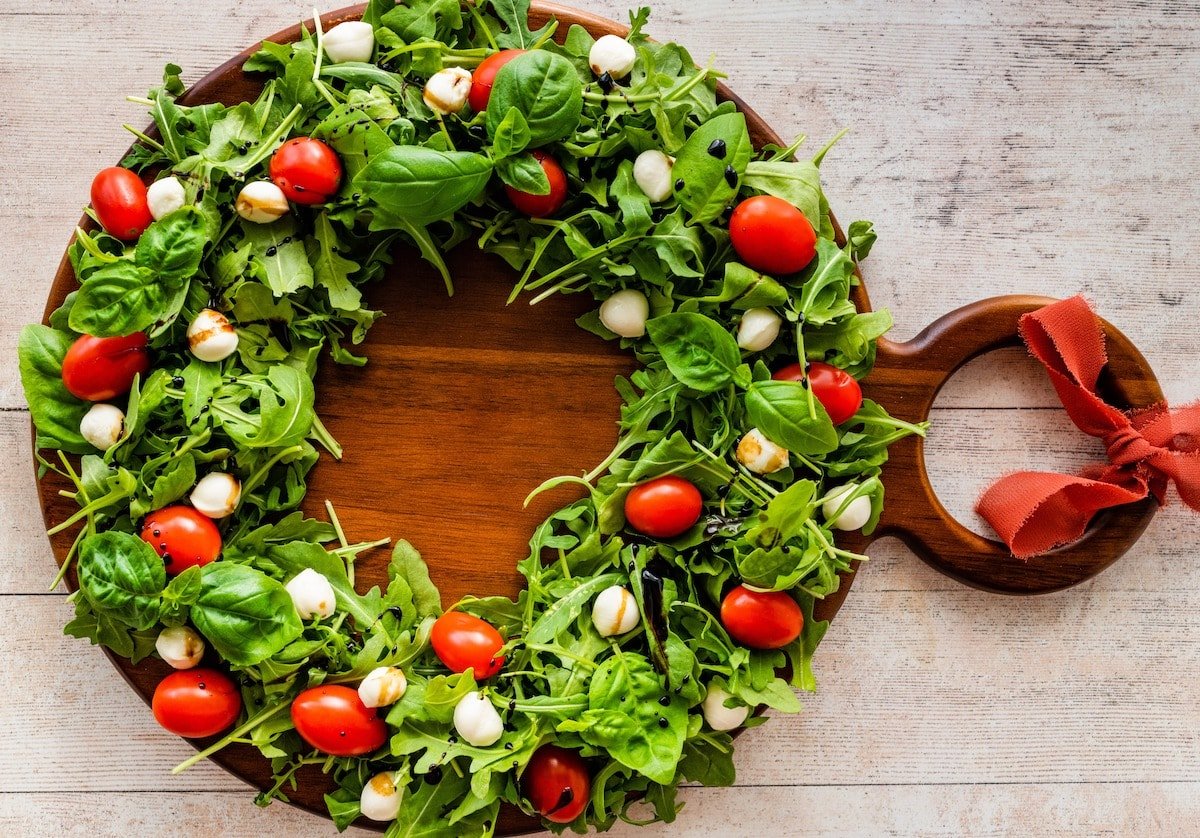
x=797 y=182
x=330 y=269
x=514 y=18
x=300 y=555
x=623 y=717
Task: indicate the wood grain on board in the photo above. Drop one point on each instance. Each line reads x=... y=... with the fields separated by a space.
x=1041 y=148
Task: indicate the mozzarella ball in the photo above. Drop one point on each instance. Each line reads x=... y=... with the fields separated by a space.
x=477 y=721
x=102 y=425
x=312 y=594
x=652 y=173
x=211 y=337
x=625 y=313
x=854 y=516
x=383 y=686
x=180 y=646
x=718 y=716
x=758 y=329
x=261 y=202
x=216 y=495
x=447 y=90
x=612 y=54
x=380 y=800
x=760 y=455
x=615 y=611
x=165 y=196
x=353 y=40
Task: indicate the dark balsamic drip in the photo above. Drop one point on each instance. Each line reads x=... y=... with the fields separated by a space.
x=662 y=722
x=679 y=184
x=564 y=800
x=606 y=82
x=717 y=149
x=177 y=381
x=731 y=176
x=664 y=700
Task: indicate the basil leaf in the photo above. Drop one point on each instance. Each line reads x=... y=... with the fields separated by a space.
x=788 y=414
x=702 y=162
x=172 y=247
x=747 y=288
x=512 y=136
x=524 y=173
x=246 y=615
x=118 y=299
x=56 y=413
x=123 y=576
x=545 y=88
x=699 y=351
x=797 y=182
x=423 y=184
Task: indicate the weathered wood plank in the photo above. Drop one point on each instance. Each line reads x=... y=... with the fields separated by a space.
x=982 y=811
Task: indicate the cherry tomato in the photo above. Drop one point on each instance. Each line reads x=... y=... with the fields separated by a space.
x=771 y=235
x=307 y=170
x=761 y=619
x=463 y=641
x=835 y=389
x=485 y=76
x=557 y=783
x=119 y=199
x=539 y=206
x=196 y=702
x=663 y=507
x=334 y=720
x=97 y=369
x=182 y=536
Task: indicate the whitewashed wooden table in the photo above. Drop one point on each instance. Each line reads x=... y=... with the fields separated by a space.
x=1029 y=146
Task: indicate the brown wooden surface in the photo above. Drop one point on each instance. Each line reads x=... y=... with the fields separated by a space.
x=467 y=404
x=907 y=378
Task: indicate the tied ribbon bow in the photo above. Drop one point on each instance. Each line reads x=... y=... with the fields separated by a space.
x=1036 y=511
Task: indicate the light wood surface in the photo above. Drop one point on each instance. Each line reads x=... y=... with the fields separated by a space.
x=999 y=147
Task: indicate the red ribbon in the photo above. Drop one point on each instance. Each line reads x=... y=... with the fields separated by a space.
x=1036 y=511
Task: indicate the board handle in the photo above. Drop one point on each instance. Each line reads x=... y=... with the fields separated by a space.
x=907 y=378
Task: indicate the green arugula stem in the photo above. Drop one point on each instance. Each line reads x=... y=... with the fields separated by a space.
x=481 y=26
x=322 y=435
x=252 y=482
x=237 y=733
x=154 y=144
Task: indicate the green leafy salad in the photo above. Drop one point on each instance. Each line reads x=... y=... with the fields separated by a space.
x=173 y=391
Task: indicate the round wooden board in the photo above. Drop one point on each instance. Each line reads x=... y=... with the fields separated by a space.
x=467 y=404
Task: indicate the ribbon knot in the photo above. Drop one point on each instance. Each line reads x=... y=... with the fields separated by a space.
x=1036 y=511
x=1126 y=446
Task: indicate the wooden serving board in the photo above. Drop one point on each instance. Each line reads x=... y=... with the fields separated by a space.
x=467 y=404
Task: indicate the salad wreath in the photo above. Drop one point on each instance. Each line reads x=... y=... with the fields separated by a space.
x=659 y=608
